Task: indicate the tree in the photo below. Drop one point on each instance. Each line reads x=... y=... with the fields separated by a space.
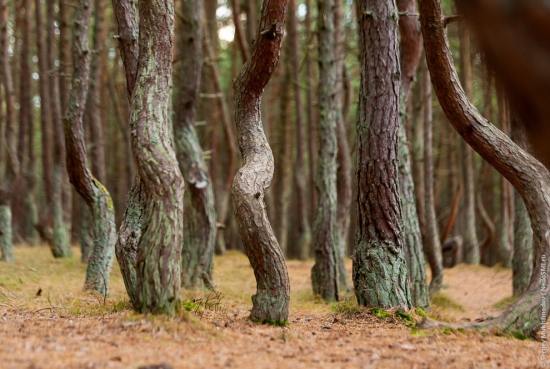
x=12 y=161
x=304 y=231
x=324 y=274
x=379 y=267
x=497 y=149
x=271 y=301
x=92 y=191
x=200 y=215
x=159 y=248
x=410 y=52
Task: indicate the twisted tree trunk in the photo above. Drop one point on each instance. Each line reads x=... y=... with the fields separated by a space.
x=92 y=191
x=271 y=301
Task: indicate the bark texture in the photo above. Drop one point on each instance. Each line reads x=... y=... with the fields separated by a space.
x=324 y=274
x=158 y=260
x=410 y=51
x=379 y=267
x=200 y=215
x=530 y=178
x=271 y=301
x=90 y=189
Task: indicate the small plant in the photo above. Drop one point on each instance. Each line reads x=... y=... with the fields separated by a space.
x=403 y=315
x=420 y=312
x=519 y=336
x=443 y=301
x=346 y=307
x=380 y=313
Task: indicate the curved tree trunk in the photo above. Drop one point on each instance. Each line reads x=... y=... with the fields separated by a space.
x=130 y=229
x=159 y=248
x=410 y=52
x=324 y=274
x=271 y=301
x=530 y=178
x=12 y=160
x=92 y=191
x=200 y=215
x=379 y=267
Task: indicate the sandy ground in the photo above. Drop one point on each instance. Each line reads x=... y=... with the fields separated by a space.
x=67 y=328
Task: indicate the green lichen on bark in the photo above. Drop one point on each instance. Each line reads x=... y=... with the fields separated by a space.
x=380 y=276
x=6 y=235
x=522 y=262
x=158 y=259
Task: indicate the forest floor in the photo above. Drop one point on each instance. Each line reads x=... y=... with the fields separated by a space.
x=63 y=327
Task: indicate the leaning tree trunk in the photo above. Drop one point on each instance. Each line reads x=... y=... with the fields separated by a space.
x=12 y=161
x=271 y=301
x=92 y=191
x=411 y=49
x=324 y=274
x=379 y=266
x=200 y=215
x=530 y=178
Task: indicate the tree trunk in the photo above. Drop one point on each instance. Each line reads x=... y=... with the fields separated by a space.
x=522 y=261
x=93 y=105
x=324 y=274
x=343 y=157
x=411 y=49
x=471 y=244
x=159 y=249
x=200 y=215
x=524 y=316
x=60 y=246
x=12 y=160
x=432 y=245
x=126 y=247
x=311 y=116
x=92 y=191
x=379 y=267
x=271 y=301
x=304 y=231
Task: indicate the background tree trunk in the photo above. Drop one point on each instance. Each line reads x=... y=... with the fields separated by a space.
x=411 y=49
x=324 y=274
x=200 y=215
x=12 y=159
x=379 y=267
